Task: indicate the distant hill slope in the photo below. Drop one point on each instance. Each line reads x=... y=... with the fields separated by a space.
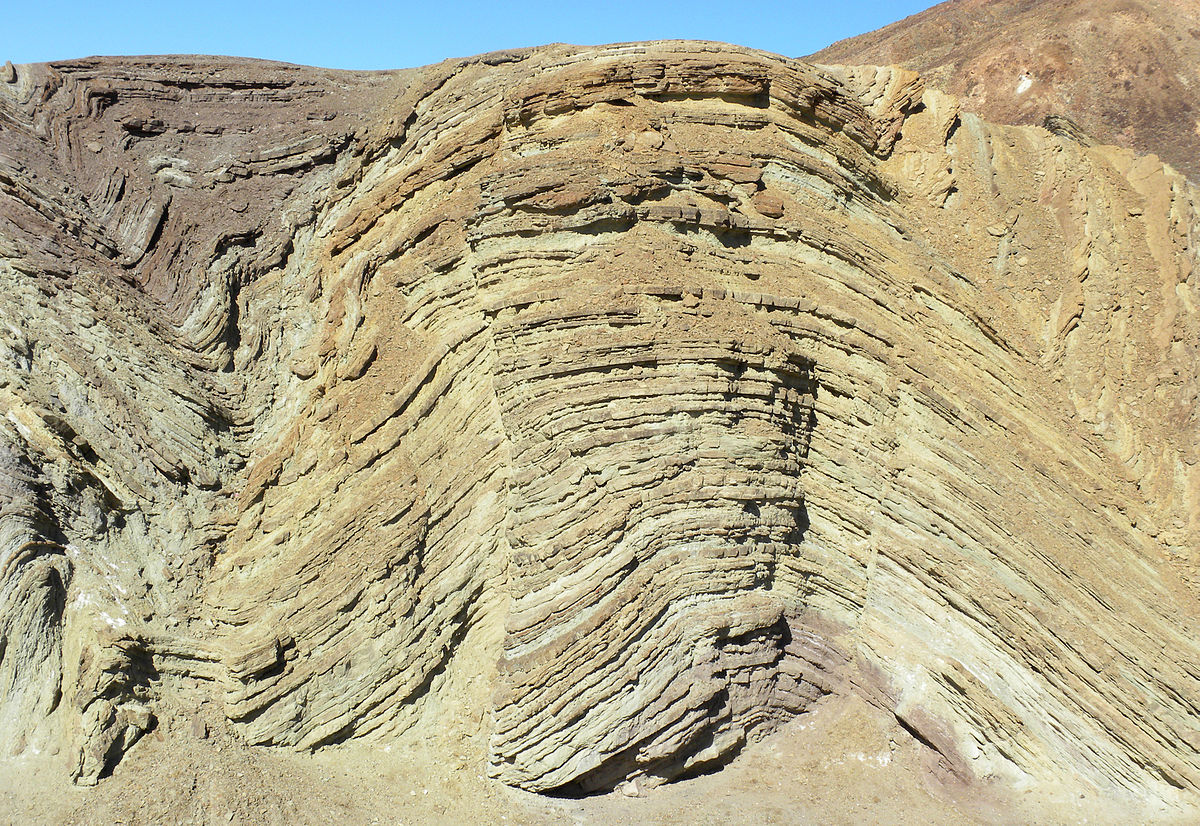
x=1127 y=71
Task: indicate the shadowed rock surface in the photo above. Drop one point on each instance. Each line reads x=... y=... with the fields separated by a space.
x=1126 y=71
x=668 y=388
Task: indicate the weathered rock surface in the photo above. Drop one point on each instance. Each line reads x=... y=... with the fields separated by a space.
x=1125 y=72
x=713 y=382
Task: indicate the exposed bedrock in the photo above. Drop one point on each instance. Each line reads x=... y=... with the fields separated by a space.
x=712 y=382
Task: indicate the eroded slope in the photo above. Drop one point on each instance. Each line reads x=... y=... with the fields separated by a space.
x=1125 y=72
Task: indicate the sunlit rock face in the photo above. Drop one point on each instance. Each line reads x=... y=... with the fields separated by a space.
x=665 y=388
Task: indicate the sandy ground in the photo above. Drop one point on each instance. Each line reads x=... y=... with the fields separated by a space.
x=840 y=764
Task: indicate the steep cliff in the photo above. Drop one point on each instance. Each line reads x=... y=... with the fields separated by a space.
x=668 y=388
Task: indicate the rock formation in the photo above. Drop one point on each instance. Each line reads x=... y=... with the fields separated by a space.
x=713 y=382
x=1125 y=71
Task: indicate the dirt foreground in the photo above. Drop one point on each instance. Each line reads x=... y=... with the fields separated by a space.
x=840 y=764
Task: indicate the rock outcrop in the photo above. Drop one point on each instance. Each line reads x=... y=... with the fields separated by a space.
x=712 y=382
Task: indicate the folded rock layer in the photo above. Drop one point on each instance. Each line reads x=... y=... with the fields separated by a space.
x=714 y=382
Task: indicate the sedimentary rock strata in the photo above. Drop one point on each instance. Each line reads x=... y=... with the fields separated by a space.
x=714 y=382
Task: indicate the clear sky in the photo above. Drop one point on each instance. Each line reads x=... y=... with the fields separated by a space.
x=366 y=34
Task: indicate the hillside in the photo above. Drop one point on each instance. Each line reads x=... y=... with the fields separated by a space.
x=1127 y=72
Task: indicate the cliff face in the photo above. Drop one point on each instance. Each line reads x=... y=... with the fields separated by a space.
x=663 y=388
x=1126 y=72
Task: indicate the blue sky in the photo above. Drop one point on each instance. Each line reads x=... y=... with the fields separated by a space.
x=364 y=34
